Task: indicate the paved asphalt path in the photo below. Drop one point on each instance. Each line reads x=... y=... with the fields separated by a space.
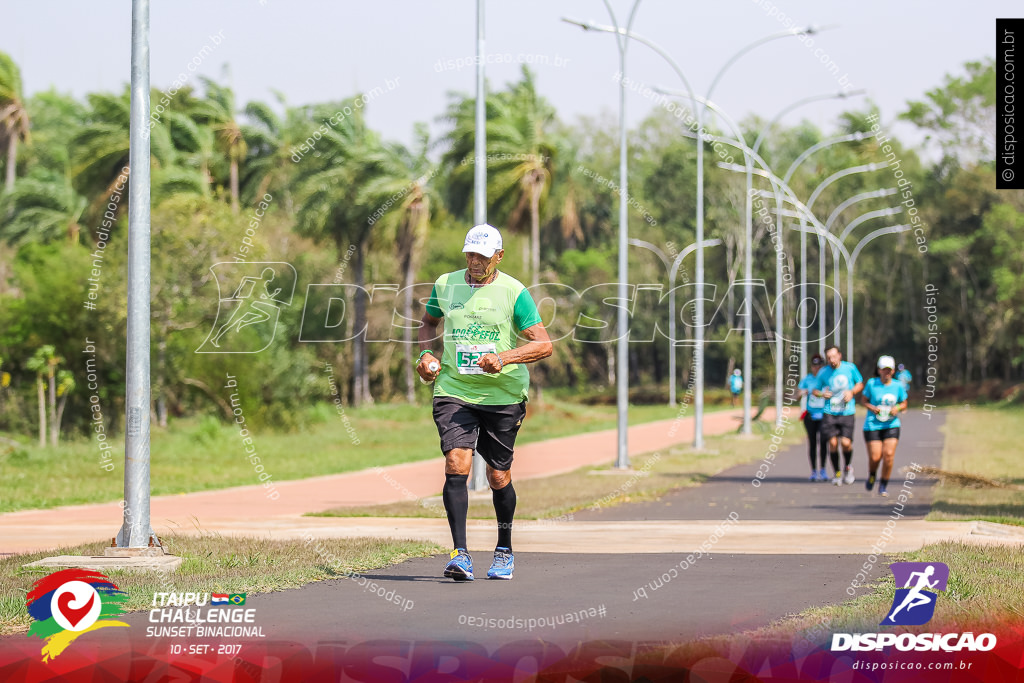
x=786 y=494
x=717 y=594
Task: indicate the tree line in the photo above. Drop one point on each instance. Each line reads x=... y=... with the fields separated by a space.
x=357 y=208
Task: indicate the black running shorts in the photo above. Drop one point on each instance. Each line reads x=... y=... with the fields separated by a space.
x=837 y=425
x=491 y=430
x=881 y=434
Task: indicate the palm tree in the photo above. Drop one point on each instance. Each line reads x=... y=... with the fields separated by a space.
x=520 y=151
x=41 y=208
x=399 y=173
x=14 y=120
x=39 y=363
x=329 y=209
x=271 y=140
x=99 y=149
x=217 y=110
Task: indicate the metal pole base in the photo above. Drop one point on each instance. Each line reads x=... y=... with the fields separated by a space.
x=478 y=473
x=122 y=544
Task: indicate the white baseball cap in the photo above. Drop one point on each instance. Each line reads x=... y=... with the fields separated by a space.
x=483 y=239
x=887 y=362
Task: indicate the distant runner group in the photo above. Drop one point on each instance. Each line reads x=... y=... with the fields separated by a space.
x=830 y=388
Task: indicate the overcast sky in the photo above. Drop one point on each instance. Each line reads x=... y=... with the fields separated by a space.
x=312 y=50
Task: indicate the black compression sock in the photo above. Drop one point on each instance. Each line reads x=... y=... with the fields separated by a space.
x=833 y=455
x=456 y=503
x=504 y=509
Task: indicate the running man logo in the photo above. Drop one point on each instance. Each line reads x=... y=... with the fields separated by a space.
x=247 y=317
x=913 y=605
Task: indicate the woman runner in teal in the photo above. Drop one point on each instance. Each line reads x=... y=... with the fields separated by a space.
x=884 y=398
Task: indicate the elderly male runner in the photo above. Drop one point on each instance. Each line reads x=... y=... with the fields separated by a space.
x=481 y=385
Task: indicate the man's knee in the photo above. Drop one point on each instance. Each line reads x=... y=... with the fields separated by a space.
x=498 y=479
x=458 y=461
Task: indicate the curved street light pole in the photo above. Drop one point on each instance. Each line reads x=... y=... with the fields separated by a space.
x=803 y=253
x=851 y=262
x=863 y=168
x=698 y=432
x=622 y=344
x=748 y=255
x=673 y=268
x=698 y=402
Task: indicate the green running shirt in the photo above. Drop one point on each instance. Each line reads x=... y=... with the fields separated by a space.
x=478 y=321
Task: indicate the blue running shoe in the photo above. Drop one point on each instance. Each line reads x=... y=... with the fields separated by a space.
x=870 y=483
x=821 y=475
x=460 y=566
x=504 y=564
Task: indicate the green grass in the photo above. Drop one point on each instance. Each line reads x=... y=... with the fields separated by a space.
x=983 y=594
x=197 y=455
x=560 y=495
x=982 y=441
x=215 y=564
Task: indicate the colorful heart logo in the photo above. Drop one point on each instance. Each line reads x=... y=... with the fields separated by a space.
x=74 y=615
x=76 y=605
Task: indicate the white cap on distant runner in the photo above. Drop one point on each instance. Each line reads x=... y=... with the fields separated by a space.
x=483 y=239
x=887 y=362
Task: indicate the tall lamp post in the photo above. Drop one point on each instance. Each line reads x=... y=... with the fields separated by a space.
x=622 y=344
x=136 y=533
x=479 y=479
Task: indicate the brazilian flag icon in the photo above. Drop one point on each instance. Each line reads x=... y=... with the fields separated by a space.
x=237 y=598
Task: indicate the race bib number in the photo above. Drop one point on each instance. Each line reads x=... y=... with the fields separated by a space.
x=815 y=402
x=837 y=403
x=885 y=408
x=466 y=356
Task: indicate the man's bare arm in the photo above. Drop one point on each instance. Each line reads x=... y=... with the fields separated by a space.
x=537 y=348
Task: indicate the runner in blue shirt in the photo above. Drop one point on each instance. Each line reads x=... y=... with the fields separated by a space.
x=735 y=384
x=838 y=383
x=884 y=398
x=903 y=375
x=813 y=413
